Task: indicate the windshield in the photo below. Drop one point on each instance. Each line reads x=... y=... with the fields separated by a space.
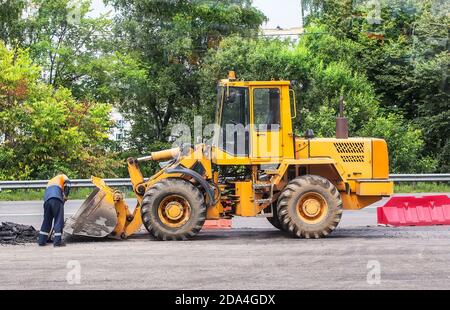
x=234 y=118
x=235 y=106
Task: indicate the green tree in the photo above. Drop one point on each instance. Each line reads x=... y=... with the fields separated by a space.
x=45 y=130
x=171 y=39
x=405 y=143
x=402 y=48
x=11 y=22
x=73 y=49
x=318 y=86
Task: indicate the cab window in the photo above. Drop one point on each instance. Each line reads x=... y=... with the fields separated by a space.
x=234 y=138
x=266 y=106
x=235 y=106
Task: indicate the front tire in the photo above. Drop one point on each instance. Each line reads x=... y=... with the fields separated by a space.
x=274 y=219
x=173 y=209
x=309 y=207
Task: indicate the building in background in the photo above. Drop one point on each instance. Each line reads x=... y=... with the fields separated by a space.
x=283 y=33
x=121 y=128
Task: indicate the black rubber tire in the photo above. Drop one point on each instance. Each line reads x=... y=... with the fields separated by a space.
x=292 y=223
x=274 y=219
x=159 y=191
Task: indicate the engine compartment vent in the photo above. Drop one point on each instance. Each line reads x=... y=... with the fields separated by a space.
x=351 y=152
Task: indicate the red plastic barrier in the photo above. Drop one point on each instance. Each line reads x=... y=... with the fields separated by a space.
x=217 y=224
x=412 y=211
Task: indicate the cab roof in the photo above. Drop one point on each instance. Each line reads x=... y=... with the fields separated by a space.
x=240 y=83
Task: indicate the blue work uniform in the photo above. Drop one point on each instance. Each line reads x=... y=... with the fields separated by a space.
x=53 y=210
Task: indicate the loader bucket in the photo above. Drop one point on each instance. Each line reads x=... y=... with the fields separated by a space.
x=96 y=217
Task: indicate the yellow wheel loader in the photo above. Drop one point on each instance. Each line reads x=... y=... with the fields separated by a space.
x=253 y=166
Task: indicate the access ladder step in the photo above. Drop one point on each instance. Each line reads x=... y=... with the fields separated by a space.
x=262 y=185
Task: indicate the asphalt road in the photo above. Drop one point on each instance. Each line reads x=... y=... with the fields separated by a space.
x=252 y=255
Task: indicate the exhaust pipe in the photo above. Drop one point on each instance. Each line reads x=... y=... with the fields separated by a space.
x=341 y=122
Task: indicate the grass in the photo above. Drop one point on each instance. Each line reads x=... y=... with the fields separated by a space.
x=83 y=193
x=422 y=187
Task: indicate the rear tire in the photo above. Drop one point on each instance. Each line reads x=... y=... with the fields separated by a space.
x=173 y=209
x=309 y=207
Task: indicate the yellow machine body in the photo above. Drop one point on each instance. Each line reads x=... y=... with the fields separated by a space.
x=271 y=157
x=358 y=167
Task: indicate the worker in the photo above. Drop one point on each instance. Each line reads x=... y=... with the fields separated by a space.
x=56 y=194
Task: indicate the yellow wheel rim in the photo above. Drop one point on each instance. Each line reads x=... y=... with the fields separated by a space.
x=174 y=211
x=311 y=208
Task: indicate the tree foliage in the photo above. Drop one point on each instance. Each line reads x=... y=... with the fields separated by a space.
x=11 y=22
x=158 y=62
x=45 y=130
x=405 y=143
x=171 y=38
x=71 y=47
x=402 y=48
x=319 y=86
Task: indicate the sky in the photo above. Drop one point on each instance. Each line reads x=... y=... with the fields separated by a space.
x=283 y=13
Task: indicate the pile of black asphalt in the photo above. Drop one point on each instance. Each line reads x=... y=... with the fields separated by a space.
x=13 y=233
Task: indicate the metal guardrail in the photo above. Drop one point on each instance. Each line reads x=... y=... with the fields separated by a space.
x=36 y=184
x=444 y=177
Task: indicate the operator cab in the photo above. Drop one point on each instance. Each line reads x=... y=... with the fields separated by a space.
x=254 y=121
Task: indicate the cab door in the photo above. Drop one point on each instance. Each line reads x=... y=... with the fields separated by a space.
x=265 y=129
x=233 y=137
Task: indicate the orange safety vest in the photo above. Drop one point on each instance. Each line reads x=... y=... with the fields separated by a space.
x=55 y=188
x=58 y=180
